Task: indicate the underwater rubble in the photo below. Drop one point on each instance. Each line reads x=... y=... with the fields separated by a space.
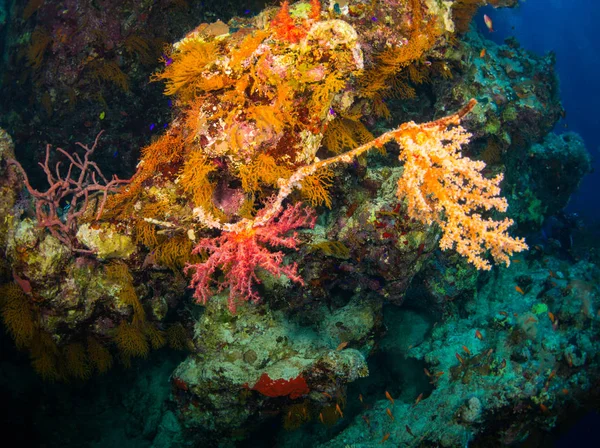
x=275 y=198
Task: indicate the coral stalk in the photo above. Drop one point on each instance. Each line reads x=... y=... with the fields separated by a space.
x=452 y=202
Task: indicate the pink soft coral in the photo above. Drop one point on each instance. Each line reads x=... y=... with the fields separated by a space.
x=238 y=253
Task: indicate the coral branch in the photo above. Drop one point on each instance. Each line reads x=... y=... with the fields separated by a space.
x=440 y=185
x=67 y=198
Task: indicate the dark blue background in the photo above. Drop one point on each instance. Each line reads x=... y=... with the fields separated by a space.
x=570 y=28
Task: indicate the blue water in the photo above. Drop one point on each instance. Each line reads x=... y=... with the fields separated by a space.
x=570 y=29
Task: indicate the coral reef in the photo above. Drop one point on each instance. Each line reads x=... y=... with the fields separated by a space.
x=324 y=164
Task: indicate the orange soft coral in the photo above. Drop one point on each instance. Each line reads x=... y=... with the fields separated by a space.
x=444 y=187
x=315 y=9
x=284 y=27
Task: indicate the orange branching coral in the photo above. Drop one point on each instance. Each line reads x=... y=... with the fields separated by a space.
x=167 y=149
x=315 y=188
x=324 y=91
x=345 y=132
x=442 y=186
x=392 y=61
x=175 y=252
x=131 y=341
x=315 y=9
x=462 y=13
x=266 y=118
x=177 y=336
x=284 y=27
x=45 y=357
x=17 y=314
x=76 y=361
x=40 y=40
x=194 y=177
x=105 y=70
x=156 y=336
x=145 y=233
x=246 y=48
x=186 y=74
x=161 y=156
x=118 y=272
x=262 y=171
x=142 y=47
x=98 y=355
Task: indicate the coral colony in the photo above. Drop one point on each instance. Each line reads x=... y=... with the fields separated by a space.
x=325 y=163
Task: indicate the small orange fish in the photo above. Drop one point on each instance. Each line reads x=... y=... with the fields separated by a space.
x=569 y=360
x=389 y=397
x=530 y=320
x=552 y=274
x=565 y=391
x=339 y=410
x=321 y=418
x=427 y=372
x=503 y=364
x=516 y=260
x=488 y=23
x=552 y=375
x=360 y=397
x=342 y=346
x=366 y=419
x=419 y=398
x=440 y=373
x=551 y=317
x=466 y=350
x=326 y=395
x=389 y=413
x=503 y=313
x=385 y=437
x=482 y=54
x=478 y=335
x=544 y=408
x=555 y=325
x=460 y=358
x=519 y=290
x=489 y=352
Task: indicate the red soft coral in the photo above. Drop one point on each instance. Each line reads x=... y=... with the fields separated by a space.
x=239 y=253
x=284 y=27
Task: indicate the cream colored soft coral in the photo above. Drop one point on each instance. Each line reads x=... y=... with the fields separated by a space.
x=442 y=186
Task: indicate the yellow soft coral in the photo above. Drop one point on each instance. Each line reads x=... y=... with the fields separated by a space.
x=442 y=186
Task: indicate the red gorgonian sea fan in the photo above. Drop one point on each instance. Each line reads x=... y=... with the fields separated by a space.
x=238 y=254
